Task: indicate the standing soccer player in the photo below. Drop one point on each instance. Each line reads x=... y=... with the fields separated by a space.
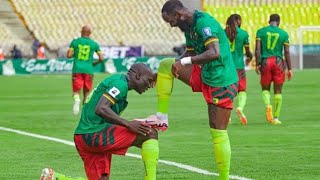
x=270 y=43
x=239 y=39
x=82 y=50
x=101 y=131
x=207 y=67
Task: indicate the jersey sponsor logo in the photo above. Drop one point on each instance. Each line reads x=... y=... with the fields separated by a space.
x=206 y=31
x=114 y=92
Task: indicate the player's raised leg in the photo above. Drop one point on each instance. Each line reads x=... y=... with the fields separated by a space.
x=164 y=87
x=165 y=80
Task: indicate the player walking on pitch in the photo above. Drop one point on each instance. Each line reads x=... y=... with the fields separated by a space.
x=239 y=39
x=82 y=50
x=270 y=43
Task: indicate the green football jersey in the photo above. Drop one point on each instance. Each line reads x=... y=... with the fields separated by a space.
x=236 y=48
x=83 y=49
x=115 y=88
x=205 y=29
x=272 y=39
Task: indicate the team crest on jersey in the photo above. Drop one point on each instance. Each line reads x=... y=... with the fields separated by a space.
x=114 y=92
x=206 y=31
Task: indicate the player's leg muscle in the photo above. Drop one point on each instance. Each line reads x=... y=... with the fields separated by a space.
x=218 y=117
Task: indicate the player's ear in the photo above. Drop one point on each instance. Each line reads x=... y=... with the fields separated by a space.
x=138 y=75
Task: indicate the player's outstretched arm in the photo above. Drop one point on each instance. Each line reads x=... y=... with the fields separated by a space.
x=103 y=109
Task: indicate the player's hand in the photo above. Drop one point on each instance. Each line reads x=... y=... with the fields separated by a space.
x=258 y=69
x=139 y=127
x=175 y=68
x=289 y=74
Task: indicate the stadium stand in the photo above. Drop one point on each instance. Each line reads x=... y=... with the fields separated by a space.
x=134 y=22
x=8 y=40
x=255 y=14
x=139 y=22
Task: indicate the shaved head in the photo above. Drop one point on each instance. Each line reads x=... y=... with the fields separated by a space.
x=140 y=77
x=140 y=67
x=86 y=30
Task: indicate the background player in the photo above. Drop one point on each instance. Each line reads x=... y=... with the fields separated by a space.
x=270 y=42
x=82 y=50
x=207 y=45
x=238 y=38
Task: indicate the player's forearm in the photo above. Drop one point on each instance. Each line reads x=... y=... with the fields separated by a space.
x=288 y=60
x=205 y=57
x=257 y=55
x=69 y=54
x=186 y=54
x=111 y=117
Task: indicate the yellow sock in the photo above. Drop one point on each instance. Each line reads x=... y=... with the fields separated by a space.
x=277 y=105
x=266 y=97
x=164 y=84
x=150 y=155
x=76 y=97
x=222 y=152
x=242 y=99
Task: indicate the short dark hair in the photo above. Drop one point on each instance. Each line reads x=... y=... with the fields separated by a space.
x=274 y=17
x=171 y=6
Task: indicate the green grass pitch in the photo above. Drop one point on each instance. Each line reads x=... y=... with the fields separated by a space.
x=42 y=104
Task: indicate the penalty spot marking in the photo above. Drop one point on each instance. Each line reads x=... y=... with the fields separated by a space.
x=170 y=163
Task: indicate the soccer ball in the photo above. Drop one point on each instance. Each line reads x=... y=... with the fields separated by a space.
x=47 y=174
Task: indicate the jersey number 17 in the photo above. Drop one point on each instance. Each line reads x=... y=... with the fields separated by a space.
x=272 y=40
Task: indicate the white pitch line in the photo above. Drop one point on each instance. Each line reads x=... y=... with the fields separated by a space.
x=171 y=163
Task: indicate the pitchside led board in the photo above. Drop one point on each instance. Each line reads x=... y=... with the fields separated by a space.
x=116 y=52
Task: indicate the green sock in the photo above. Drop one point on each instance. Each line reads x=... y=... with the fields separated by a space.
x=150 y=155
x=242 y=99
x=266 y=97
x=277 y=104
x=164 y=84
x=76 y=97
x=222 y=152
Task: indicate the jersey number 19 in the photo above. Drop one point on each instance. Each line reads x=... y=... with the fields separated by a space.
x=84 y=51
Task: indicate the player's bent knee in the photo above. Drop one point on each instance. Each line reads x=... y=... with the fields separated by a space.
x=153 y=134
